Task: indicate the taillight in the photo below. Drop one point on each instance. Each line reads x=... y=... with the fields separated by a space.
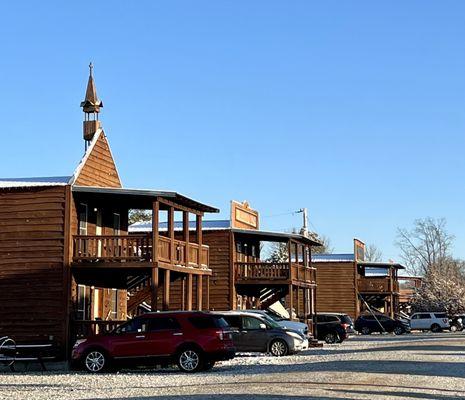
x=345 y=326
x=445 y=320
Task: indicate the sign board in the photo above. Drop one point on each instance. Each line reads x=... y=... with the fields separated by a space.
x=243 y=217
x=359 y=250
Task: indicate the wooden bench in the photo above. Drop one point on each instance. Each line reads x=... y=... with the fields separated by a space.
x=10 y=352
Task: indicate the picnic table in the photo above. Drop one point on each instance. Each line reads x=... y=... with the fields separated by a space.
x=10 y=352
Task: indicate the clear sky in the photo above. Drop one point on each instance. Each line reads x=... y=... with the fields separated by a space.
x=353 y=109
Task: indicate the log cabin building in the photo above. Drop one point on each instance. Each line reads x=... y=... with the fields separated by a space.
x=349 y=284
x=241 y=276
x=67 y=263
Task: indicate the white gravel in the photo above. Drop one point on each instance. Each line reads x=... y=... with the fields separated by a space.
x=418 y=366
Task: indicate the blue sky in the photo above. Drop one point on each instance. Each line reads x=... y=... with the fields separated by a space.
x=354 y=109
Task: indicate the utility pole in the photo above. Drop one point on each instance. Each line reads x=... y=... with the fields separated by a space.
x=304 y=230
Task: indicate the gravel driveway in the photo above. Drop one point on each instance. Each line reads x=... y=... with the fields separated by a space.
x=417 y=366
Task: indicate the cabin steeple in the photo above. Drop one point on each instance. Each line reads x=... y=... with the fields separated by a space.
x=91 y=107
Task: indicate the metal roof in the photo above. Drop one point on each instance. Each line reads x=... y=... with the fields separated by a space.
x=146 y=226
x=376 y=264
x=34 y=181
x=333 y=258
x=276 y=236
x=145 y=195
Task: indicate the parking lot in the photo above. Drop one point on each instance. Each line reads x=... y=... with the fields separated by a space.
x=417 y=366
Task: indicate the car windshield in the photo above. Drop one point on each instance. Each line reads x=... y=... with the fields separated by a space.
x=345 y=319
x=275 y=316
x=270 y=321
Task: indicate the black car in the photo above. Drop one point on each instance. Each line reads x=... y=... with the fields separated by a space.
x=333 y=327
x=256 y=333
x=366 y=324
x=456 y=323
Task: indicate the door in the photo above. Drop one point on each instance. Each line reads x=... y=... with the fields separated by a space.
x=164 y=335
x=130 y=339
x=254 y=338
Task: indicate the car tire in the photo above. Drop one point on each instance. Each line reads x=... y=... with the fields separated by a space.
x=279 y=348
x=365 y=330
x=331 y=338
x=435 y=328
x=398 y=330
x=95 y=361
x=189 y=360
x=453 y=328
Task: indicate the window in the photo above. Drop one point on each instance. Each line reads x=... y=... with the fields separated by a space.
x=163 y=323
x=83 y=215
x=233 y=321
x=321 y=318
x=251 y=323
x=83 y=303
x=424 y=316
x=116 y=224
x=137 y=325
x=440 y=315
x=208 y=322
x=332 y=318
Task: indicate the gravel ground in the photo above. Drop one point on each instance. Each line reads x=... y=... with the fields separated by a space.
x=417 y=366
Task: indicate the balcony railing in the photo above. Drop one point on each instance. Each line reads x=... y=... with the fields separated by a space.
x=274 y=271
x=138 y=248
x=88 y=328
x=377 y=285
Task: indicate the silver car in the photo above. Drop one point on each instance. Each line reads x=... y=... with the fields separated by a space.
x=254 y=333
x=285 y=323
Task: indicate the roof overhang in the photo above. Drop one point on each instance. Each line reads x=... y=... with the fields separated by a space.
x=141 y=198
x=276 y=236
x=380 y=264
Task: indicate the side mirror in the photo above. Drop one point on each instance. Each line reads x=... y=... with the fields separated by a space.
x=262 y=326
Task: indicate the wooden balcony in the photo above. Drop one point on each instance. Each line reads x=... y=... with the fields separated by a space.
x=137 y=249
x=377 y=285
x=277 y=273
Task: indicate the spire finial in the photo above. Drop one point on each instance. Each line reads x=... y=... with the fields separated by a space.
x=91 y=67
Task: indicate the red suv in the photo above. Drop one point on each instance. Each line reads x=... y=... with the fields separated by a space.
x=193 y=340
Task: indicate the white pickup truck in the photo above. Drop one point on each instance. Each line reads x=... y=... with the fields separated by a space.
x=429 y=321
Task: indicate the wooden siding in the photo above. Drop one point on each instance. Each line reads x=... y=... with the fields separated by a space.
x=221 y=286
x=33 y=281
x=99 y=168
x=336 y=291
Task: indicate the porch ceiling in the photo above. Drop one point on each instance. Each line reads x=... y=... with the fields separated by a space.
x=140 y=198
x=269 y=236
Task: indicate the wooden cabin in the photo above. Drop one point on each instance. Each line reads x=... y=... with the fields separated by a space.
x=408 y=287
x=242 y=277
x=348 y=284
x=67 y=263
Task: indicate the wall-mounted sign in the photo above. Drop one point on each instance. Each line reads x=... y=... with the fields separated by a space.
x=243 y=217
x=359 y=250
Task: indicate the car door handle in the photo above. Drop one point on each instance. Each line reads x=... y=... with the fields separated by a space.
x=178 y=334
x=140 y=337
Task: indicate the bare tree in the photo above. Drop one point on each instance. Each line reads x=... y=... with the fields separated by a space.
x=427 y=245
x=279 y=252
x=325 y=247
x=139 y=216
x=373 y=253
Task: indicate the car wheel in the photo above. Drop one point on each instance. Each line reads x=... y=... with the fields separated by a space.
x=365 y=330
x=278 y=348
x=435 y=328
x=398 y=330
x=189 y=360
x=331 y=338
x=95 y=361
x=453 y=328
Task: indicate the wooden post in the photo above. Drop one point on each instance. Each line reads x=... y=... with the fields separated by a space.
x=298 y=302
x=171 y=234
x=198 y=226
x=154 y=289
x=183 y=293
x=185 y=227
x=166 y=291
x=207 y=306
x=189 y=292
x=291 y=301
x=199 y=292
x=155 y=234
x=305 y=299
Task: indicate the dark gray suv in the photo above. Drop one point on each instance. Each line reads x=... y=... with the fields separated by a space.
x=253 y=333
